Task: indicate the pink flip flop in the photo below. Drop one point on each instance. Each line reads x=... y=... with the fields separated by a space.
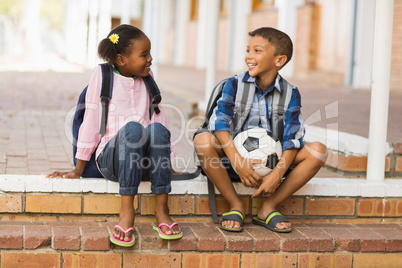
x=163 y=235
x=122 y=243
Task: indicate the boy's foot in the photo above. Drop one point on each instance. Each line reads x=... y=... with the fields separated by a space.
x=284 y=224
x=233 y=224
x=233 y=217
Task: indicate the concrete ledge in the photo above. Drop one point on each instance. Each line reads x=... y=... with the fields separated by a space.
x=316 y=187
x=338 y=141
x=349 y=152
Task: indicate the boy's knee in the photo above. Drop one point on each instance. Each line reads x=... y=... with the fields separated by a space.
x=202 y=141
x=319 y=151
x=320 y=147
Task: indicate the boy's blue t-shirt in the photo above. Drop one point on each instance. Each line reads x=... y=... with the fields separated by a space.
x=260 y=113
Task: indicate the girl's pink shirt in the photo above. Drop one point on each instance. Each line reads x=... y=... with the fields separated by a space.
x=130 y=102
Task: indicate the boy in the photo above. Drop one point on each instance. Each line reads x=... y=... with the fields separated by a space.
x=268 y=51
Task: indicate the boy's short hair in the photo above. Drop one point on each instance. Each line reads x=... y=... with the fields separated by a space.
x=279 y=40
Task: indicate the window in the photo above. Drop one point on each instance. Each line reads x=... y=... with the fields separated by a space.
x=261 y=4
x=194 y=10
x=223 y=7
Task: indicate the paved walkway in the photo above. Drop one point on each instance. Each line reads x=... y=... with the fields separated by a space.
x=36 y=110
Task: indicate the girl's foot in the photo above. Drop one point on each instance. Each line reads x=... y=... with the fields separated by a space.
x=162 y=216
x=126 y=221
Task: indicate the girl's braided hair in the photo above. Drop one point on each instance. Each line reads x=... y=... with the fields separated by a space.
x=126 y=35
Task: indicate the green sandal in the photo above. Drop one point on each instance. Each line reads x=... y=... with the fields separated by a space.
x=233 y=215
x=271 y=221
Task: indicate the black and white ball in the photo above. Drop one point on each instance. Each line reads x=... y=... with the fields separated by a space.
x=258 y=143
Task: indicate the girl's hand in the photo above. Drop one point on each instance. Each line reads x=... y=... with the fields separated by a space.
x=244 y=168
x=64 y=174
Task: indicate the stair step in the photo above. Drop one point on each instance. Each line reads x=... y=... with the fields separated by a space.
x=204 y=236
x=204 y=244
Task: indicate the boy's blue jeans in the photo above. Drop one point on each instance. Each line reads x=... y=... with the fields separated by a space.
x=136 y=150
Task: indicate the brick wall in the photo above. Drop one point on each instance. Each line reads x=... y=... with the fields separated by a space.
x=196 y=207
x=197 y=260
x=223 y=44
x=80 y=244
x=72 y=230
x=398 y=158
x=396 y=60
x=263 y=18
x=191 y=44
x=168 y=47
x=357 y=164
x=306 y=43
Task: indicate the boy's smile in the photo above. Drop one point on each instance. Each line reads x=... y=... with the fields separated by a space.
x=251 y=66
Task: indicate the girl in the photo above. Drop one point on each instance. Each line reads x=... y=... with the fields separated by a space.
x=132 y=140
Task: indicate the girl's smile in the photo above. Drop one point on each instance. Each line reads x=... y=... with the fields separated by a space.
x=138 y=61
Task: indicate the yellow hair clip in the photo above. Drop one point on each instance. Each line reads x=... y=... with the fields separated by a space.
x=114 y=38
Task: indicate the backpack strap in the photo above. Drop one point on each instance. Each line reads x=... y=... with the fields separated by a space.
x=244 y=96
x=153 y=90
x=213 y=100
x=280 y=103
x=106 y=94
x=244 y=101
x=212 y=201
x=186 y=176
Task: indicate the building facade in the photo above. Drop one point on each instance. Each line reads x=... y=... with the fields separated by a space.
x=333 y=39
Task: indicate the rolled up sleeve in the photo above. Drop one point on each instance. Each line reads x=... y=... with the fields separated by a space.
x=294 y=124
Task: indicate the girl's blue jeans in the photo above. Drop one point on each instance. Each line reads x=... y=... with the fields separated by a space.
x=137 y=151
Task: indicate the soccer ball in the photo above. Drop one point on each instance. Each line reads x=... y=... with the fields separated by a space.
x=259 y=143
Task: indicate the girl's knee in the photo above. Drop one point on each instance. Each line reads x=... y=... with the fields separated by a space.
x=132 y=131
x=157 y=128
x=133 y=126
x=158 y=133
